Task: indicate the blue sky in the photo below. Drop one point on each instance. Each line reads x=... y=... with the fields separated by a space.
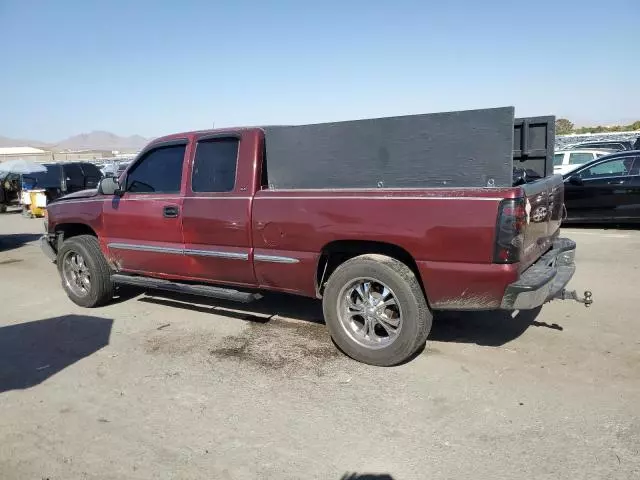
x=155 y=67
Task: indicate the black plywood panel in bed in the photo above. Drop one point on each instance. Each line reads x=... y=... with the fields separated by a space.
x=471 y=148
x=534 y=143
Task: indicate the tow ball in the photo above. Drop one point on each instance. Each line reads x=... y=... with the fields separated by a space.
x=587 y=298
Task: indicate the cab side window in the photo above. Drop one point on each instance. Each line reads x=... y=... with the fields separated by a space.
x=215 y=165
x=159 y=171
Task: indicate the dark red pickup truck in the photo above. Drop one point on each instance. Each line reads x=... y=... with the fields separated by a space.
x=194 y=213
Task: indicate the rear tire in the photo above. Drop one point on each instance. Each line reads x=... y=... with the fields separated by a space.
x=85 y=273
x=376 y=311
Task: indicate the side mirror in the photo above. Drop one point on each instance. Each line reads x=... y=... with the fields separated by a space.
x=575 y=180
x=109 y=186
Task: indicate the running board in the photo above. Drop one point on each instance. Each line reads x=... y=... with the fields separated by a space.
x=187 y=289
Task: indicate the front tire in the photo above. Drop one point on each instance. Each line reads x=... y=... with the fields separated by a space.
x=85 y=273
x=376 y=311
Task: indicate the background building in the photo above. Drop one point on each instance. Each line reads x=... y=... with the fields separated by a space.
x=25 y=153
x=82 y=155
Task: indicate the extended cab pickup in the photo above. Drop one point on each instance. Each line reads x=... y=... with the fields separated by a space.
x=195 y=213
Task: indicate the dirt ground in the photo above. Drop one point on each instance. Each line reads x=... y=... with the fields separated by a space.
x=161 y=387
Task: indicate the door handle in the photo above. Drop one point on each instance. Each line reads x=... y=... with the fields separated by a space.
x=170 y=211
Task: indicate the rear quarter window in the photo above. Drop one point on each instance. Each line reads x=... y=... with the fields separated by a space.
x=215 y=165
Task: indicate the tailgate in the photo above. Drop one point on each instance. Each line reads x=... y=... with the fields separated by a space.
x=544 y=206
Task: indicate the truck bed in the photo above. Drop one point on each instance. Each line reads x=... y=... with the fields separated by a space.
x=454 y=259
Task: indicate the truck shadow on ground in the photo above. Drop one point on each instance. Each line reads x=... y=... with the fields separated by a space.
x=16 y=240
x=32 y=352
x=366 y=476
x=490 y=328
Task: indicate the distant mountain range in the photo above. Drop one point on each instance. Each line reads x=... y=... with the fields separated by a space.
x=96 y=140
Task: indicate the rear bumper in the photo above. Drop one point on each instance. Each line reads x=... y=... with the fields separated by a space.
x=47 y=249
x=543 y=280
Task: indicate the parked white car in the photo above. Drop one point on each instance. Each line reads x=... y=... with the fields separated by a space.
x=565 y=161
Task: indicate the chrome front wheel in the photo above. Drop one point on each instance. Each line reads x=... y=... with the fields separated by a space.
x=84 y=271
x=75 y=273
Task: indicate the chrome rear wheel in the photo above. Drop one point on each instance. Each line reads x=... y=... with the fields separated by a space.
x=370 y=313
x=375 y=310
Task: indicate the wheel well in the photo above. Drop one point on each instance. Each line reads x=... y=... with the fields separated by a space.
x=68 y=230
x=336 y=253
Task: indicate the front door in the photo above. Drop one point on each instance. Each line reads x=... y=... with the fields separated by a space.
x=600 y=192
x=144 y=226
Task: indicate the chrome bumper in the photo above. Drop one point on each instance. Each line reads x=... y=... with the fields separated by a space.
x=545 y=280
x=47 y=249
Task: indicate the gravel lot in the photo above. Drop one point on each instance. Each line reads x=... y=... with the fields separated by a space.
x=163 y=388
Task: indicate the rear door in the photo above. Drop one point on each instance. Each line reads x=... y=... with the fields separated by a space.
x=601 y=191
x=217 y=210
x=143 y=228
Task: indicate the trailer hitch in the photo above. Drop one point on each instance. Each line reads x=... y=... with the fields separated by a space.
x=565 y=294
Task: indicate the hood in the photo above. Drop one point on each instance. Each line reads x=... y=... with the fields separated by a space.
x=92 y=192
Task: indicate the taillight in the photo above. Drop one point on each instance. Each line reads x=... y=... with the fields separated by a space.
x=512 y=219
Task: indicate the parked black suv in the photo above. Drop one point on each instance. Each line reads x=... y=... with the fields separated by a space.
x=63 y=178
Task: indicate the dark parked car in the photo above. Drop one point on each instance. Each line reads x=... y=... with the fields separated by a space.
x=614 y=145
x=605 y=190
x=63 y=178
